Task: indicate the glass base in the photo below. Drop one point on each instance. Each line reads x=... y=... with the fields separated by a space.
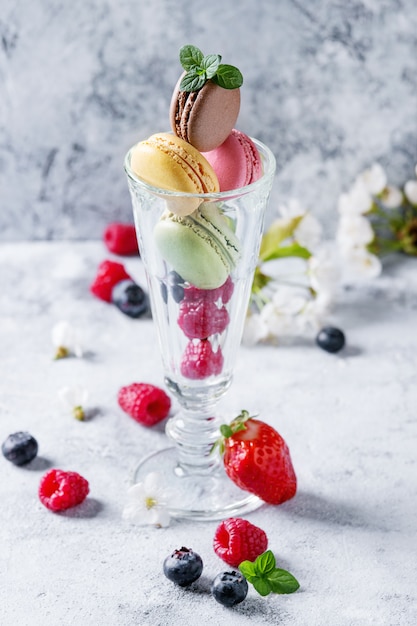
x=200 y=497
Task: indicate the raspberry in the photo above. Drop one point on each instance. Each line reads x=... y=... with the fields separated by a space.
x=109 y=273
x=201 y=319
x=59 y=490
x=224 y=292
x=121 y=239
x=237 y=540
x=199 y=360
x=146 y=403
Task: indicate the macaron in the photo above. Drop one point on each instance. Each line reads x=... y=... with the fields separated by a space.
x=236 y=161
x=202 y=248
x=204 y=118
x=168 y=162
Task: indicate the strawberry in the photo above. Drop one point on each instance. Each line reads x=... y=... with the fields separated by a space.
x=257 y=459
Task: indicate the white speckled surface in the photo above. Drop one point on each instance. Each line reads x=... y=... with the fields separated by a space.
x=329 y=86
x=349 y=535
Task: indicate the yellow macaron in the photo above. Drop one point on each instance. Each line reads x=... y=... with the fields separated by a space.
x=168 y=162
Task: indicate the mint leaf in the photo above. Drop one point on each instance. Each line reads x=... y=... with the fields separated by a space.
x=210 y=63
x=282 y=581
x=248 y=569
x=265 y=563
x=193 y=80
x=190 y=56
x=261 y=585
x=267 y=578
x=228 y=77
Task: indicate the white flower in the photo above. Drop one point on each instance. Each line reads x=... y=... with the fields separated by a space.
x=293 y=208
x=357 y=201
x=279 y=315
x=374 y=179
x=410 y=190
x=255 y=329
x=75 y=398
x=147 y=502
x=323 y=269
x=354 y=230
x=361 y=264
x=308 y=232
x=392 y=197
x=314 y=313
x=65 y=339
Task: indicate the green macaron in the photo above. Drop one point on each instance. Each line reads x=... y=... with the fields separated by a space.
x=201 y=247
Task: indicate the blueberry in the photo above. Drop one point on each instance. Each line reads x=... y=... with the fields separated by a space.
x=183 y=566
x=130 y=298
x=330 y=339
x=20 y=448
x=229 y=588
x=176 y=286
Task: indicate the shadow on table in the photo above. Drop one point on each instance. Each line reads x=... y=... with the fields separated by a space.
x=255 y=607
x=39 y=464
x=87 y=509
x=313 y=507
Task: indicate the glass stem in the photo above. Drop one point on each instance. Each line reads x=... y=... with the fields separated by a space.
x=194 y=431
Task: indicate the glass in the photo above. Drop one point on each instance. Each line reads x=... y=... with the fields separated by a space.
x=198 y=369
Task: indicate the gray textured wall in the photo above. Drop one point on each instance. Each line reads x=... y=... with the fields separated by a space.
x=330 y=86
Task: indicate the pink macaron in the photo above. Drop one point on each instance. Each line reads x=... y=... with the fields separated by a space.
x=236 y=161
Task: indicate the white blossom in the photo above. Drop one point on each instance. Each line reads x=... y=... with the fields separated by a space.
x=410 y=190
x=374 y=179
x=308 y=232
x=147 y=502
x=392 y=197
x=353 y=231
x=323 y=269
x=314 y=313
x=357 y=201
x=66 y=340
x=255 y=329
x=74 y=398
x=361 y=264
x=293 y=208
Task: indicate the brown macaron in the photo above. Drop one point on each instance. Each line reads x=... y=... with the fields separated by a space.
x=204 y=118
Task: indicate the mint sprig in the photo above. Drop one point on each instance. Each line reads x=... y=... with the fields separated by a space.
x=199 y=69
x=266 y=577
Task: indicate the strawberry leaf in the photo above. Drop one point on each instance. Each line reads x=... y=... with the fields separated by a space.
x=282 y=581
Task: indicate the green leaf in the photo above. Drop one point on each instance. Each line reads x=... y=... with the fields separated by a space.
x=280 y=230
x=190 y=56
x=225 y=430
x=260 y=280
x=193 y=80
x=228 y=77
x=210 y=63
x=293 y=249
x=261 y=585
x=265 y=563
x=248 y=570
x=282 y=581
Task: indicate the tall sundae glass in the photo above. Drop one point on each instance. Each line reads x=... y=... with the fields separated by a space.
x=199 y=270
